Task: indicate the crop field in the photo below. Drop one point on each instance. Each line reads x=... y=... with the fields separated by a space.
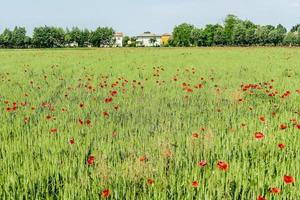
x=156 y=123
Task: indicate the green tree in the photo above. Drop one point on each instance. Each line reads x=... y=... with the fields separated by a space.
x=182 y=35
x=6 y=38
x=48 y=37
x=102 y=37
x=18 y=37
x=229 y=24
x=290 y=39
x=197 y=37
x=239 y=36
x=295 y=28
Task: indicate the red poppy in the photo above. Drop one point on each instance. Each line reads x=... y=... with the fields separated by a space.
x=189 y=90
x=298 y=126
x=108 y=100
x=195 y=135
x=81 y=105
x=262 y=118
x=105 y=193
x=261 y=198
x=91 y=160
x=275 y=190
x=105 y=114
x=195 y=184
x=222 y=165
x=259 y=135
x=53 y=130
x=281 y=145
x=88 y=122
x=80 y=121
x=202 y=163
x=288 y=179
x=143 y=158
x=114 y=93
x=150 y=181
x=283 y=126
x=72 y=141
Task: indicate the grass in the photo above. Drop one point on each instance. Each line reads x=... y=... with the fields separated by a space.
x=152 y=118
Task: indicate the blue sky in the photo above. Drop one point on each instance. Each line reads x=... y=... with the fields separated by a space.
x=135 y=16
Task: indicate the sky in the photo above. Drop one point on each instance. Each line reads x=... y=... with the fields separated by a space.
x=133 y=17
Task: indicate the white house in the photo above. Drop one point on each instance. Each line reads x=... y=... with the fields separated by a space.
x=148 y=39
x=118 y=39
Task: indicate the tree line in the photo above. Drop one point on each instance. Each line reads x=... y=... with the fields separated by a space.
x=55 y=37
x=233 y=32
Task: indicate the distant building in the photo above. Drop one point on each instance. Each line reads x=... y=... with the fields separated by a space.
x=148 y=39
x=118 y=39
x=165 y=39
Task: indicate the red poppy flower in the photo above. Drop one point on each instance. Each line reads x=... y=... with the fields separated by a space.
x=105 y=114
x=114 y=93
x=150 y=181
x=195 y=184
x=53 y=130
x=202 y=163
x=283 y=126
x=108 y=100
x=81 y=105
x=261 y=198
x=189 y=90
x=80 y=121
x=105 y=193
x=298 y=126
x=262 y=118
x=223 y=165
x=91 y=160
x=259 y=135
x=195 y=135
x=275 y=190
x=288 y=179
x=72 y=141
x=281 y=145
x=88 y=122
x=143 y=158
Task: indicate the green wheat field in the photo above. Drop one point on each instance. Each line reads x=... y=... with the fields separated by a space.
x=151 y=123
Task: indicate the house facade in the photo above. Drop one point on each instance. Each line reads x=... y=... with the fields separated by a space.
x=148 y=39
x=165 y=39
x=118 y=39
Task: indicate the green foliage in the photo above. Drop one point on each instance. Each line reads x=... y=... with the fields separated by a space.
x=102 y=37
x=48 y=37
x=182 y=35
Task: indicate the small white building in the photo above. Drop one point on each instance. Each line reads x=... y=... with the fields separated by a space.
x=118 y=39
x=148 y=39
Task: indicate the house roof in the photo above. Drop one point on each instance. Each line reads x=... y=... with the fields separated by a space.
x=166 y=34
x=148 y=34
x=118 y=34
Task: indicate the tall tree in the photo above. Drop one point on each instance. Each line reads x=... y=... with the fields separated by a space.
x=182 y=34
x=229 y=24
x=102 y=37
x=6 y=38
x=18 y=37
x=48 y=37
